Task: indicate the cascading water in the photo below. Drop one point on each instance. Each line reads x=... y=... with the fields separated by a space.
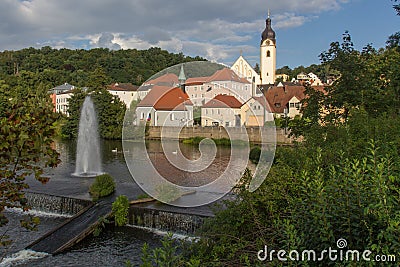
x=88 y=159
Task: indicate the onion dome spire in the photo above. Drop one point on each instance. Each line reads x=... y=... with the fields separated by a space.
x=268 y=33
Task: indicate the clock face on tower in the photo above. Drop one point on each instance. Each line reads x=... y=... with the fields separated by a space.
x=267 y=42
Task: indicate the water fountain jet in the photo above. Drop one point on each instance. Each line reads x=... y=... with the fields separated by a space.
x=88 y=158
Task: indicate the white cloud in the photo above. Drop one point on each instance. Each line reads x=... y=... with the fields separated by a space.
x=290 y=20
x=215 y=29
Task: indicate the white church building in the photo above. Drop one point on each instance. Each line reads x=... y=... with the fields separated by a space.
x=267 y=60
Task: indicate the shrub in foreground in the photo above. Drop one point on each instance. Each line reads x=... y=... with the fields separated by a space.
x=103 y=185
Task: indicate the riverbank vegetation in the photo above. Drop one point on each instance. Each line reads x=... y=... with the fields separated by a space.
x=120 y=210
x=102 y=186
x=342 y=183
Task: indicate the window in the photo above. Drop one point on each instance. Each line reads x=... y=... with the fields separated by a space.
x=171 y=116
x=142 y=116
x=292 y=105
x=268 y=53
x=227 y=124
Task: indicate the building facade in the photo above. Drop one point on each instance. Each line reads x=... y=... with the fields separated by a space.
x=126 y=92
x=222 y=110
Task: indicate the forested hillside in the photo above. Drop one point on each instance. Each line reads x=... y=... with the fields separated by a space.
x=51 y=67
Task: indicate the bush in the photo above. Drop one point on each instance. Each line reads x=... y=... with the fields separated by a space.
x=103 y=186
x=255 y=153
x=120 y=209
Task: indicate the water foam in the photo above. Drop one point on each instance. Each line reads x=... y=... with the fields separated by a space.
x=22 y=256
x=38 y=213
x=164 y=233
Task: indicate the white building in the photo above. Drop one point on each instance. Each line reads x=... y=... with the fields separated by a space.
x=222 y=110
x=222 y=82
x=169 y=80
x=255 y=112
x=126 y=92
x=62 y=104
x=62 y=88
x=243 y=68
x=165 y=106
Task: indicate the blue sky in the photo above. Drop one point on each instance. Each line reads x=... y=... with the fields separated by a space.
x=215 y=29
x=368 y=21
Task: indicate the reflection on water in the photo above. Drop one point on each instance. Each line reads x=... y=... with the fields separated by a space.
x=182 y=177
x=113 y=162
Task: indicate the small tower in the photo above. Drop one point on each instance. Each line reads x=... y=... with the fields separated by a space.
x=182 y=79
x=268 y=53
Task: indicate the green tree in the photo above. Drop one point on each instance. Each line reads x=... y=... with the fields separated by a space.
x=393 y=41
x=27 y=126
x=396 y=7
x=110 y=113
x=70 y=127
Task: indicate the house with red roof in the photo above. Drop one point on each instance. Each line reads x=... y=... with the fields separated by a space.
x=165 y=106
x=285 y=101
x=169 y=80
x=222 y=110
x=222 y=82
x=255 y=112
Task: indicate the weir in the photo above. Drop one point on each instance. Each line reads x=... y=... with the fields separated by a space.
x=168 y=218
x=74 y=229
x=152 y=215
x=56 y=204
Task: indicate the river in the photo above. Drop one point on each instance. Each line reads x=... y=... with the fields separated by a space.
x=115 y=245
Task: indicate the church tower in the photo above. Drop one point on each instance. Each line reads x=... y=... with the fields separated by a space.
x=268 y=54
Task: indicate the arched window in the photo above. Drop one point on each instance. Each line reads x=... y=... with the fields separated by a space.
x=268 y=53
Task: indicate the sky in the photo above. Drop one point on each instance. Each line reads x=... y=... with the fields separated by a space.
x=218 y=30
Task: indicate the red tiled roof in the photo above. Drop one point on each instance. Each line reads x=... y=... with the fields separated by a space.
x=174 y=99
x=223 y=101
x=166 y=98
x=169 y=79
x=122 y=87
x=226 y=75
x=196 y=80
x=278 y=97
x=155 y=93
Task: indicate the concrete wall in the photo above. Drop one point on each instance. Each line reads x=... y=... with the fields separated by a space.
x=215 y=132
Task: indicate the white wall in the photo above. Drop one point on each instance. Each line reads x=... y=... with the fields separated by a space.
x=199 y=96
x=224 y=116
x=268 y=64
x=294 y=107
x=62 y=103
x=174 y=118
x=125 y=96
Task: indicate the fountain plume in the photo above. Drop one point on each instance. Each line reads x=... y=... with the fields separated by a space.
x=88 y=159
